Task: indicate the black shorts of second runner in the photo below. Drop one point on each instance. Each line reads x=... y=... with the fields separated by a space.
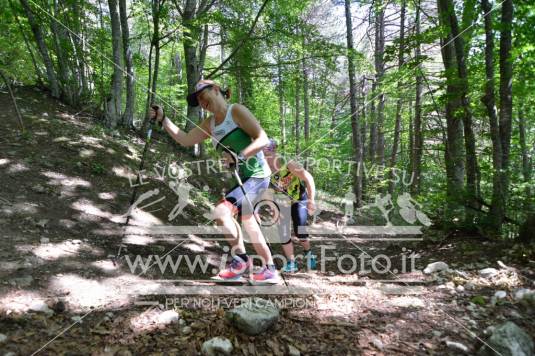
x=299 y=213
x=254 y=188
x=300 y=216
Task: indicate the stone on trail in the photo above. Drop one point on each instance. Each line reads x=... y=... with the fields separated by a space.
x=469 y=286
x=41 y=306
x=508 y=340
x=217 y=346
x=436 y=267
x=253 y=316
x=186 y=330
x=168 y=317
x=488 y=272
x=457 y=346
x=378 y=343
x=293 y=351
x=525 y=296
x=3 y=338
x=500 y=294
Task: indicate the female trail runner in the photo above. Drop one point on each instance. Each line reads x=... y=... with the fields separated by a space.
x=236 y=132
x=298 y=184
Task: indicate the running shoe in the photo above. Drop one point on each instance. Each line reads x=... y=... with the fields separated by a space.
x=311 y=260
x=266 y=275
x=290 y=267
x=237 y=268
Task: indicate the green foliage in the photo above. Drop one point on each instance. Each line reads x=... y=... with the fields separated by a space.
x=97 y=168
x=267 y=72
x=479 y=300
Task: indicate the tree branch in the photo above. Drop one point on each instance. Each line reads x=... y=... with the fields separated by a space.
x=242 y=42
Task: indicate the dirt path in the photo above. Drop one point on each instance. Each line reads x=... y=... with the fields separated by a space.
x=65 y=190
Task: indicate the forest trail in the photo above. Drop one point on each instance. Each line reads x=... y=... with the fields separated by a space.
x=65 y=189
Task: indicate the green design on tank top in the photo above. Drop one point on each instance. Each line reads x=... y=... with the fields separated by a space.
x=236 y=141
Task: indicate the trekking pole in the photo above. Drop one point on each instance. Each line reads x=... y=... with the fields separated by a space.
x=240 y=183
x=148 y=140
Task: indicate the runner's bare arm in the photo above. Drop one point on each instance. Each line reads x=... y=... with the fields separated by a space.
x=196 y=135
x=248 y=123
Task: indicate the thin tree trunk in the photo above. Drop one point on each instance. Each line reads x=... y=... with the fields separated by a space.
x=13 y=98
x=280 y=92
x=355 y=130
x=63 y=64
x=38 y=72
x=397 y=125
x=497 y=209
x=454 y=154
x=128 y=116
x=506 y=94
x=192 y=62
x=306 y=105
x=297 y=109
x=43 y=50
x=418 y=143
x=113 y=113
x=472 y=169
x=526 y=160
x=379 y=74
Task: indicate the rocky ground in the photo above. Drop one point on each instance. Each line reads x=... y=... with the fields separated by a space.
x=65 y=191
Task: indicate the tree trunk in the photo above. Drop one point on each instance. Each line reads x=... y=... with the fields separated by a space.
x=128 y=116
x=280 y=92
x=113 y=112
x=527 y=163
x=454 y=154
x=472 y=169
x=418 y=143
x=527 y=230
x=355 y=130
x=506 y=94
x=13 y=98
x=38 y=72
x=59 y=40
x=43 y=50
x=192 y=62
x=497 y=209
x=306 y=105
x=297 y=109
x=379 y=74
x=397 y=125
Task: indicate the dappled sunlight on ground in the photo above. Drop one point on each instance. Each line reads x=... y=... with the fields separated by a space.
x=61 y=139
x=86 y=206
x=83 y=293
x=20 y=301
x=193 y=247
x=18 y=208
x=140 y=217
x=107 y=195
x=140 y=240
x=124 y=172
x=17 y=168
x=67 y=248
x=58 y=179
x=106 y=266
x=86 y=153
